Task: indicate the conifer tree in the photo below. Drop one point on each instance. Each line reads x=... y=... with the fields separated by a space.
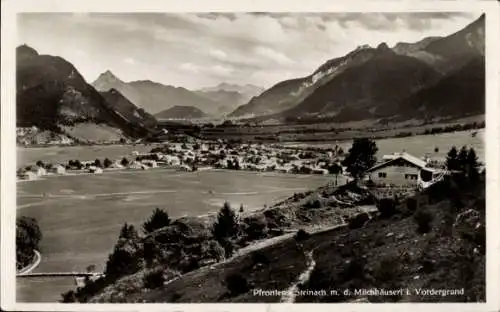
x=451 y=159
x=158 y=220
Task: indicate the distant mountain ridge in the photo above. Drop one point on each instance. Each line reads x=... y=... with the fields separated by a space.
x=368 y=89
x=370 y=83
x=155 y=97
x=448 y=53
x=247 y=90
x=181 y=112
x=459 y=93
x=287 y=94
x=128 y=110
x=152 y=96
x=52 y=95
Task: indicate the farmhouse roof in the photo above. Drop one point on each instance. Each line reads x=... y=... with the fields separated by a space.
x=405 y=156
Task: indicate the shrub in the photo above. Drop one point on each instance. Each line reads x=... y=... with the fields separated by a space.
x=386 y=270
x=68 y=297
x=237 y=284
x=150 y=251
x=256 y=227
x=297 y=196
x=107 y=163
x=313 y=203
x=355 y=269
x=423 y=218
x=358 y=220
x=124 y=162
x=411 y=204
x=386 y=207
x=301 y=235
x=158 y=220
x=260 y=257
x=154 y=279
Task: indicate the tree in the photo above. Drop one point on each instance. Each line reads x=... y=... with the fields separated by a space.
x=98 y=163
x=78 y=164
x=124 y=260
x=128 y=232
x=159 y=219
x=124 y=162
x=28 y=236
x=462 y=159
x=452 y=159
x=107 y=162
x=226 y=227
x=472 y=166
x=360 y=157
x=40 y=164
x=436 y=149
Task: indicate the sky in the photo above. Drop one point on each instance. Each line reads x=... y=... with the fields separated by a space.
x=201 y=50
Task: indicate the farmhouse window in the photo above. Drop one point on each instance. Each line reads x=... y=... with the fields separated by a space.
x=411 y=176
x=382 y=175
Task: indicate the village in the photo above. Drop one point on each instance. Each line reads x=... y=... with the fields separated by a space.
x=397 y=170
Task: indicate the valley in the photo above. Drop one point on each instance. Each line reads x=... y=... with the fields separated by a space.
x=243 y=171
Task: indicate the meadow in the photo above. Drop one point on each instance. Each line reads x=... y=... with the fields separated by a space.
x=419 y=145
x=30 y=155
x=81 y=216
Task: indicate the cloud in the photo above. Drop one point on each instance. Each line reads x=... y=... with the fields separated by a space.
x=274 y=55
x=213 y=70
x=129 y=60
x=190 y=67
x=196 y=50
x=218 y=54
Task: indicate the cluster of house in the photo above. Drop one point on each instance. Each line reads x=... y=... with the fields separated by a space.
x=398 y=169
x=34 y=172
x=251 y=157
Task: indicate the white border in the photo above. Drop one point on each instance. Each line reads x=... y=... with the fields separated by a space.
x=8 y=142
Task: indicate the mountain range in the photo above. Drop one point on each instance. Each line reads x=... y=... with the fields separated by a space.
x=181 y=112
x=53 y=95
x=406 y=81
x=434 y=77
x=155 y=97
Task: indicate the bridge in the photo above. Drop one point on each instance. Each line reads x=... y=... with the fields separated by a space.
x=58 y=274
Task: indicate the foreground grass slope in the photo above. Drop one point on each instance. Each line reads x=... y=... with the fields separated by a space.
x=434 y=239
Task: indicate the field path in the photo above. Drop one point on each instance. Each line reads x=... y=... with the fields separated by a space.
x=290 y=293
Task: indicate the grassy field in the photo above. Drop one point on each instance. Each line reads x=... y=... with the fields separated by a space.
x=82 y=219
x=30 y=155
x=418 y=145
x=321 y=131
